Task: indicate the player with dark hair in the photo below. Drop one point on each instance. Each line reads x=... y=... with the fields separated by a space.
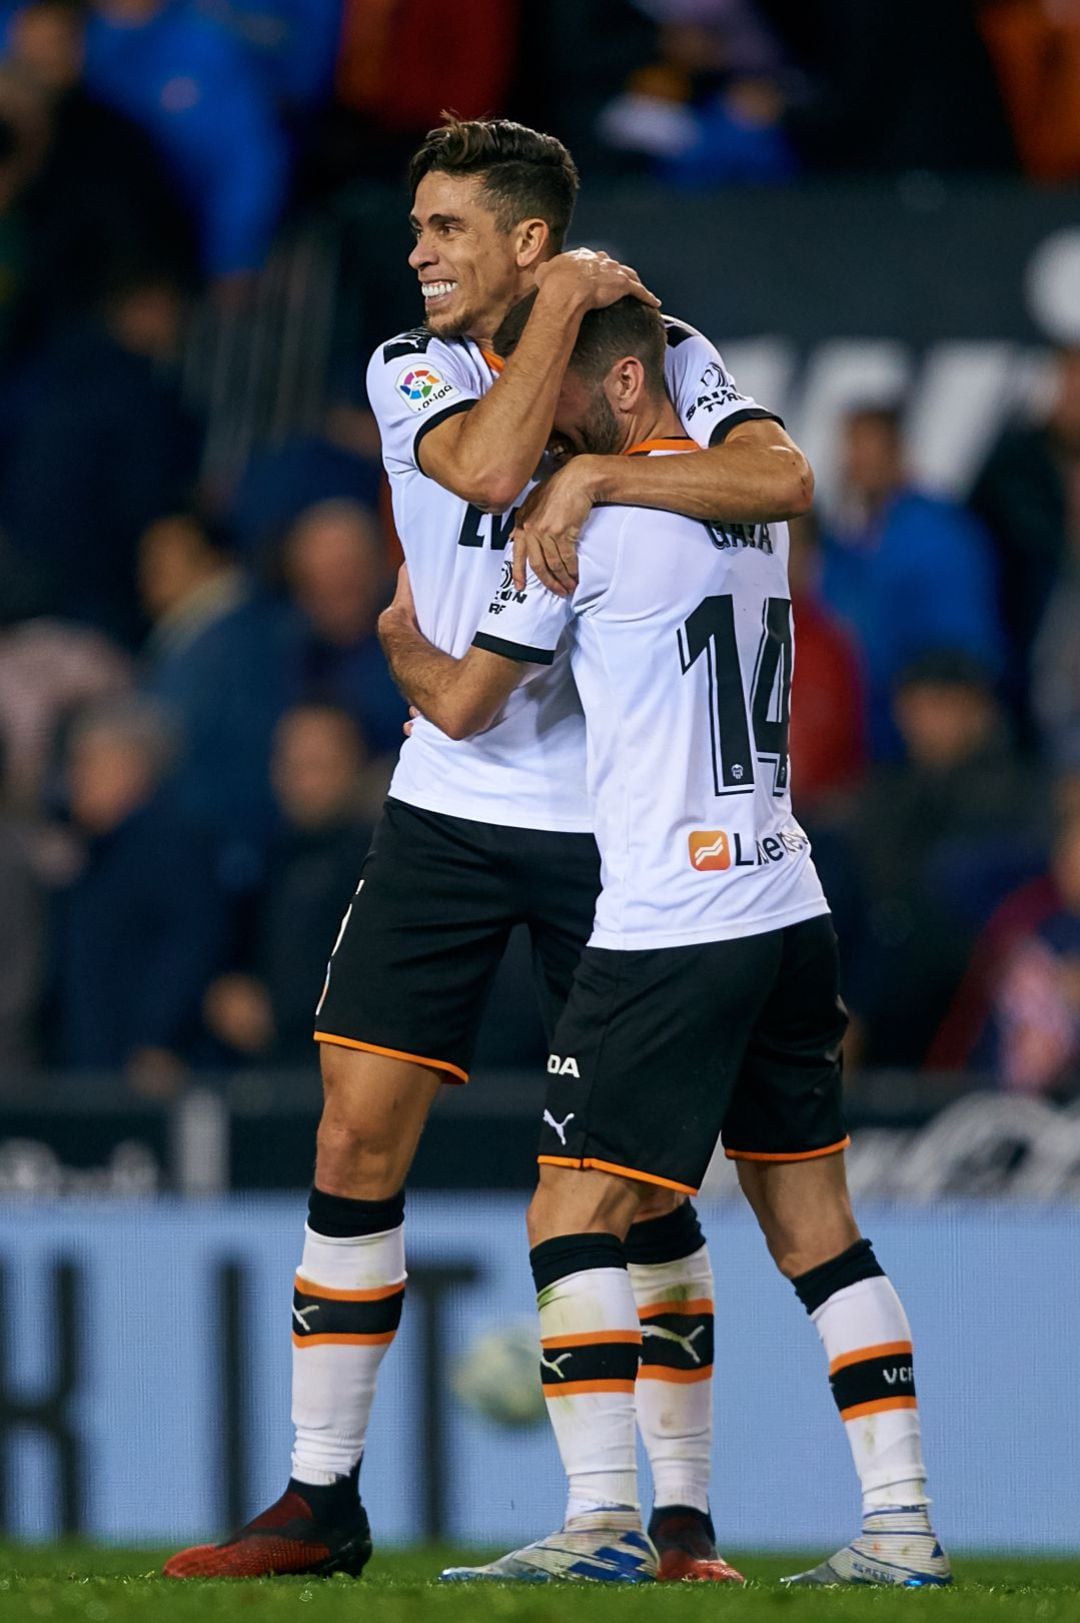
x=482 y=834
x=706 y=1003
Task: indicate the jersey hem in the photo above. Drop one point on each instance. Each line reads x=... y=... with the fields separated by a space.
x=502 y=814
x=613 y=941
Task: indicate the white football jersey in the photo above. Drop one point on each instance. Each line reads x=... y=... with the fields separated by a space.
x=528 y=769
x=680 y=641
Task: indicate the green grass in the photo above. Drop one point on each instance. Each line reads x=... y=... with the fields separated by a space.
x=94 y=1585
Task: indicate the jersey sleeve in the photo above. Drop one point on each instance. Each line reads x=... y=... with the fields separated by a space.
x=414 y=382
x=705 y=394
x=523 y=625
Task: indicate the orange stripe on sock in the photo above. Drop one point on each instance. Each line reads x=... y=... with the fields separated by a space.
x=698 y=1304
x=393 y=1053
x=878 y=1406
x=797 y=1155
x=598 y=1338
x=382 y=1339
x=575 y=1389
x=883 y=1349
x=681 y=1377
x=308 y=1287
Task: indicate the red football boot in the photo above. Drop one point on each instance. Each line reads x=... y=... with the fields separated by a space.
x=288 y=1538
x=686 y=1544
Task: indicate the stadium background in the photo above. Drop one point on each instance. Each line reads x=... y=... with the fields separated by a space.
x=201 y=236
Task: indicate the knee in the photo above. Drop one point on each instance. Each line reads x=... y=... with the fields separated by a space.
x=567 y=1201
x=657 y=1202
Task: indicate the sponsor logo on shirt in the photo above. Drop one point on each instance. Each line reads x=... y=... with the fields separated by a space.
x=710 y=849
x=713 y=850
x=421 y=387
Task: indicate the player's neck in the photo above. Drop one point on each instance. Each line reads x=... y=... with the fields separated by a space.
x=657 y=420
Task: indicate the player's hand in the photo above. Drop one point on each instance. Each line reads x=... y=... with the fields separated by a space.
x=407 y=727
x=549 y=525
x=590 y=280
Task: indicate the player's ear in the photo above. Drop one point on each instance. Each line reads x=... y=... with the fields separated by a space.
x=533 y=243
x=625 y=383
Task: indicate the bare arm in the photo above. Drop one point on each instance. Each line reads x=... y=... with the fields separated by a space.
x=757 y=475
x=488 y=454
x=459 y=696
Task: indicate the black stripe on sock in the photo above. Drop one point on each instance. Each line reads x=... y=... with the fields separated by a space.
x=873 y=1380
x=567 y=1254
x=665 y=1239
x=315 y=1315
x=816 y=1286
x=677 y=1340
x=600 y=1361
x=340 y=1218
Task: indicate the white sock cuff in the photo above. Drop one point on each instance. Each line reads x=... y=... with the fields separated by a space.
x=657 y=1281
x=361 y=1262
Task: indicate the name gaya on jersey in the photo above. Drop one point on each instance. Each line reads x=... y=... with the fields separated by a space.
x=681 y=643
x=528 y=769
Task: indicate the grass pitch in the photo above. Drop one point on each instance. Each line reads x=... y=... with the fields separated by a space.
x=92 y=1585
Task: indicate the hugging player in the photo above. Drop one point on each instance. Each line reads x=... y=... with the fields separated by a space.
x=483 y=833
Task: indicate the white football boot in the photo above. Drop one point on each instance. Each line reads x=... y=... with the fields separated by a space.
x=606 y=1546
x=896 y=1547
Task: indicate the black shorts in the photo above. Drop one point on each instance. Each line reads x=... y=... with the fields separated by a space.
x=420 y=944
x=660 y=1053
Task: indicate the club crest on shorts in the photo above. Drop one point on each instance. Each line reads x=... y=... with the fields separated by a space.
x=710 y=849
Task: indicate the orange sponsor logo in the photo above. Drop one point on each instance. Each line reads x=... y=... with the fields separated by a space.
x=709 y=849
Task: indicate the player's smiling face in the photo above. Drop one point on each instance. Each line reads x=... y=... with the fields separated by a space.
x=470 y=270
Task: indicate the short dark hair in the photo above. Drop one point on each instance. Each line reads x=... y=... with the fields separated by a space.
x=627 y=327
x=526 y=175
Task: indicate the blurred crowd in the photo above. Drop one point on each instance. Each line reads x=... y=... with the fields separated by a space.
x=196 y=722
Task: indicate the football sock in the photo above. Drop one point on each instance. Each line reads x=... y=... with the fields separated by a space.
x=590 y=1344
x=672 y=1281
x=867 y=1340
x=346 y=1310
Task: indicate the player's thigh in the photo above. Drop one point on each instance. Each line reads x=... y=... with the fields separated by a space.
x=418 y=948
x=559 y=876
x=374 y=1110
x=646 y=1055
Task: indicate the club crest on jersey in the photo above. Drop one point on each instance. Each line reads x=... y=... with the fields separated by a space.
x=710 y=849
x=421 y=387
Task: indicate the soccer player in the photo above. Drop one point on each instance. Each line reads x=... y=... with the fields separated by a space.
x=480 y=834
x=706 y=1002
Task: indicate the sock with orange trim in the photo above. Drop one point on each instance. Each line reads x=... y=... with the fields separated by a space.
x=346 y=1310
x=867 y=1340
x=672 y=1281
x=590 y=1344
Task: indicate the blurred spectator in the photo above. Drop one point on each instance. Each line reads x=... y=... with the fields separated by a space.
x=196 y=91
x=24 y=137
x=48 y=670
x=709 y=110
x=1035 y=45
x=1021 y=495
x=139 y=931
x=1055 y=669
x=293 y=43
x=102 y=202
x=281 y=480
x=22 y=938
x=1032 y=1038
x=827 y=740
x=940 y=840
x=910 y=573
x=335 y=566
x=215 y=660
x=895 y=85
x=99 y=445
x=269 y=1012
